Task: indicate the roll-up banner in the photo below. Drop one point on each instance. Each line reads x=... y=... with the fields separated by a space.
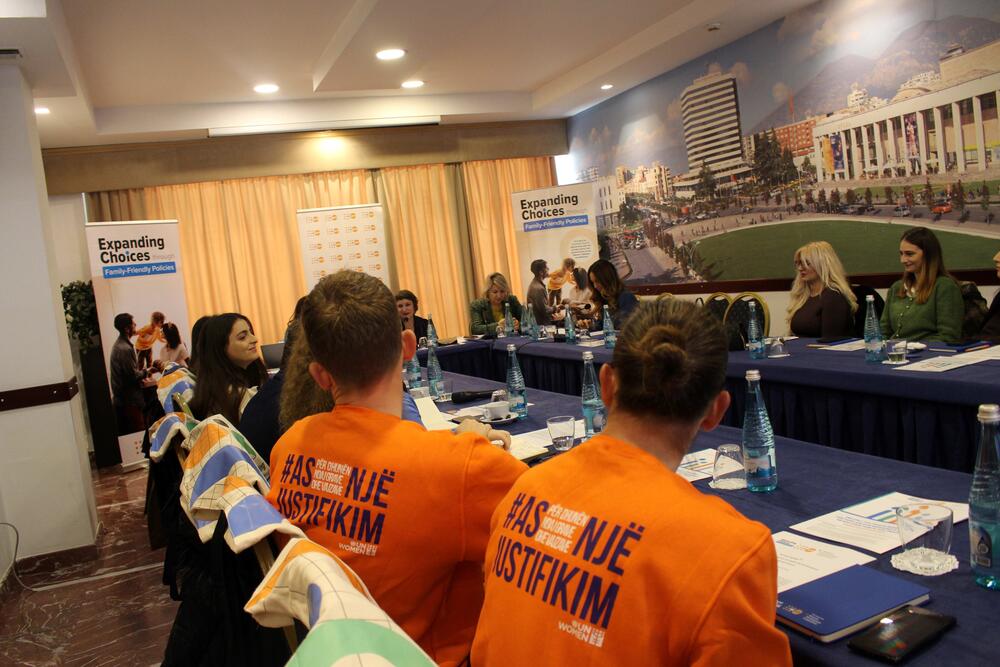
x=343 y=237
x=837 y=149
x=557 y=225
x=137 y=275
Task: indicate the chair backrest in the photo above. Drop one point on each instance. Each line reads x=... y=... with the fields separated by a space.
x=272 y=354
x=662 y=296
x=738 y=314
x=861 y=293
x=717 y=304
x=976 y=309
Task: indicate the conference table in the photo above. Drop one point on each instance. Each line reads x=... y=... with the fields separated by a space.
x=814 y=480
x=827 y=397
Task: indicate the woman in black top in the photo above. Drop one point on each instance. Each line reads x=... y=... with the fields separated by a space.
x=822 y=303
x=407 y=304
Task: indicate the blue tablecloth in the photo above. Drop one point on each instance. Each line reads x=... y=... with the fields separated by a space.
x=839 y=400
x=473 y=357
x=814 y=480
x=831 y=398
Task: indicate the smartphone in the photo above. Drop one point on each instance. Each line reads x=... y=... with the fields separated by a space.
x=901 y=633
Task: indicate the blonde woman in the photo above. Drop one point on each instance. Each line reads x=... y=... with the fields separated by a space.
x=822 y=303
x=487 y=313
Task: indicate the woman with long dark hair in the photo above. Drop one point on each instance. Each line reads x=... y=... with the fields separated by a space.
x=610 y=291
x=229 y=368
x=926 y=303
x=173 y=350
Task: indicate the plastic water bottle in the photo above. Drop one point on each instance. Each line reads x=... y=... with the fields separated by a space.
x=508 y=320
x=432 y=334
x=984 y=501
x=413 y=377
x=594 y=412
x=874 y=351
x=758 y=439
x=433 y=372
x=570 y=329
x=610 y=337
x=530 y=327
x=516 y=392
x=756 y=342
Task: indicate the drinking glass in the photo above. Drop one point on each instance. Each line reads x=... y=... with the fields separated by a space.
x=729 y=473
x=444 y=388
x=925 y=534
x=895 y=350
x=562 y=430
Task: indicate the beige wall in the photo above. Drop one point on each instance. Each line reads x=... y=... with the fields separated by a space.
x=95 y=168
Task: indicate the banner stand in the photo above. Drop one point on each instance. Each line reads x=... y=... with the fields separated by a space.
x=343 y=237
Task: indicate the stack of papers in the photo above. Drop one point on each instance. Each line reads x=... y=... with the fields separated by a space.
x=526 y=445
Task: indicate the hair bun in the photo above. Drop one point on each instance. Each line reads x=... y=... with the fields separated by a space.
x=663 y=353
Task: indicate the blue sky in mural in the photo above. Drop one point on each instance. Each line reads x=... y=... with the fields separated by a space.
x=812 y=56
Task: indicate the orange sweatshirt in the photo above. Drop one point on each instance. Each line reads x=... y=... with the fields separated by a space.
x=603 y=556
x=146 y=336
x=407 y=509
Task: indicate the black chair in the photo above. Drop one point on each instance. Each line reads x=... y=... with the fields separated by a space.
x=738 y=314
x=861 y=293
x=272 y=354
x=717 y=304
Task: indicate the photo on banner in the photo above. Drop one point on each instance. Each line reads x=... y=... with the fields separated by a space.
x=343 y=237
x=556 y=233
x=137 y=276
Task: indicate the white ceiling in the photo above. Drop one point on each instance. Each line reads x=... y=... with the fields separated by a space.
x=116 y=71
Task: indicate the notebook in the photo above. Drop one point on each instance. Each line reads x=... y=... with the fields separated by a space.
x=845 y=602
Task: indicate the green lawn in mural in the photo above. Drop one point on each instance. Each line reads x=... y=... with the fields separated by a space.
x=864 y=247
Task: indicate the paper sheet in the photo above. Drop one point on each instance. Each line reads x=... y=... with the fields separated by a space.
x=941 y=364
x=851 y=346
x=801 y=559
x=433 y=419
x=697 y=465
x=525 y=445
x=985 y=354
x=871 y=525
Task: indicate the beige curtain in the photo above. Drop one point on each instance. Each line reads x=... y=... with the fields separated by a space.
x=239 y=239
x=488 y=186
x=116 y=205
x=427 y=230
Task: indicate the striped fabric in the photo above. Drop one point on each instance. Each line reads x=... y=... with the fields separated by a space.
x=249 y=517
x=162 y=433
x=176 y=379
x=214 y=455
x=309 y=584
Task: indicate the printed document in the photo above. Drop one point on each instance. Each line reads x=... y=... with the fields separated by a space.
x=871 y=525
x=941 y=364
x=697 y=465
x=525 y=445
x=851 y=346
x=801 y=560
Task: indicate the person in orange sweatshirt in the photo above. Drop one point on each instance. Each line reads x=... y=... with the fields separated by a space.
x=146 y=336
x=407 y=509
x=605 y=556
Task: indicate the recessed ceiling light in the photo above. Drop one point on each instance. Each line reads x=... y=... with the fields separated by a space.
x=390 y=54
x=607 y=86
x=266 y=88
x=412 y=83
x=42 y=111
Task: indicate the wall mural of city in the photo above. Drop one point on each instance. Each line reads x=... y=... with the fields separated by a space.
x=845 y=121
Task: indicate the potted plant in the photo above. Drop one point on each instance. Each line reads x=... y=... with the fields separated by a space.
x=80 y=309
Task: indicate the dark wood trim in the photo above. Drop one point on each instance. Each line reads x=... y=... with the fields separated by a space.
x=29 y=397
x=877 y=280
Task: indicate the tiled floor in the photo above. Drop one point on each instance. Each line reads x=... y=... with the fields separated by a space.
x=108 y=610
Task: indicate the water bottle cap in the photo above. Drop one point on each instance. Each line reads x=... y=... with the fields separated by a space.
x=752 y=304
x=511 y=347
x=588 y=356
x=989 y=412
x=753 y=374
x=870 y=297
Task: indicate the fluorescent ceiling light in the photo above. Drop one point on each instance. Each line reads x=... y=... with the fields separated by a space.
x=412 y=83
x=42 y=111
x=390 y=54
x=266 y=88
x=353 y=123
x=607 y=86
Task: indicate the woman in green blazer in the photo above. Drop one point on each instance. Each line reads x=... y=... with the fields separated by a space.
x=487 y=313
x=927 y=303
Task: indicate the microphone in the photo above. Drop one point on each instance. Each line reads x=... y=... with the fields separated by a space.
x=469 y=396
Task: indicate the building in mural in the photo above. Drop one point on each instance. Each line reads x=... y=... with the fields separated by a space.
x=710 y=110
x=936 y=123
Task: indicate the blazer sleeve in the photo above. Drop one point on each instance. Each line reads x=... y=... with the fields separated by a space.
x=480 y=325
x=950 y=311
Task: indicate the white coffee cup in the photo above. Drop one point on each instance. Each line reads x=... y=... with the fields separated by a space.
x=496 y=410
